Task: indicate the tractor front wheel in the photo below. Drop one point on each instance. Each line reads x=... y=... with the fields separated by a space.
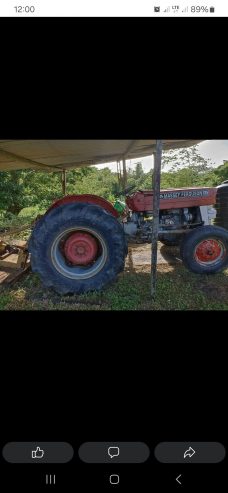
x=205 y=250
x=76 y=248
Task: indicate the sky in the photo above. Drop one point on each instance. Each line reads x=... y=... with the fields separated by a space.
x=216 y=150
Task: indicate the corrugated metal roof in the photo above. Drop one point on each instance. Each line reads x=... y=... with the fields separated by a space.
x=55 y=155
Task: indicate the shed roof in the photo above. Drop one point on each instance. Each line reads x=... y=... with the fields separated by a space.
x=57 y=155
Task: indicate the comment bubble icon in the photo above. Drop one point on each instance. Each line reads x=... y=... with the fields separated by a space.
x=113 y=452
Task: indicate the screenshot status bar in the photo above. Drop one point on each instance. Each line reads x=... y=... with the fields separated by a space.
x=112 y=8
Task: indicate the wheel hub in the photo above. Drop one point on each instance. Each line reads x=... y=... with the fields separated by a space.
x=209 y=251
x=81 y=248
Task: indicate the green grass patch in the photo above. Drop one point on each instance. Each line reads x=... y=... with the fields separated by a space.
x=5 y=299
x=177 y=289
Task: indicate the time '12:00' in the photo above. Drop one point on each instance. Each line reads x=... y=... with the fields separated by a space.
x=28 y=9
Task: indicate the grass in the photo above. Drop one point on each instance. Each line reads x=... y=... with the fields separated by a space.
x=6 y=225
x=177 y=289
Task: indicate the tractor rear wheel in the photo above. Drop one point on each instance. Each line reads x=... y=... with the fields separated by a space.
x=77 y=248
x=205 y=250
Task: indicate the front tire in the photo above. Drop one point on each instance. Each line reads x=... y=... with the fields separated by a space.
x=205 y=250
x=77 y=248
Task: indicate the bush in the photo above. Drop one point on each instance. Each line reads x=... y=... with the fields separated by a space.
x=9 y=216
x=31 y=212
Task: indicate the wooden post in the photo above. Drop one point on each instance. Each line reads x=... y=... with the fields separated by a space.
x=118 y=173
x=156 y=204
x=124 y=173
x=63 y=178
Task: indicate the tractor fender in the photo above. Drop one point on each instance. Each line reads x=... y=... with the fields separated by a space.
x=86 y=199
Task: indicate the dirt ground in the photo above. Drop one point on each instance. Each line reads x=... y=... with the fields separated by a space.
x=139 y=258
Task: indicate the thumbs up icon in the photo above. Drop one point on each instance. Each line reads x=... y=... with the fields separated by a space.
x=38 y=453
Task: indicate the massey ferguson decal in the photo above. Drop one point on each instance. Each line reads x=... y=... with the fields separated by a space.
x=185 y=194
x=183 y=197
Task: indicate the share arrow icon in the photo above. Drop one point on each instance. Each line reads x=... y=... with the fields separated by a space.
x=189 y=453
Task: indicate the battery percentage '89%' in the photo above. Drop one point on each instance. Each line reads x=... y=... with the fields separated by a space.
x=199 y=9
x=24 y=9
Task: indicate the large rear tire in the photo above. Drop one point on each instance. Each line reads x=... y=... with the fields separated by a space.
x=205 y=250
x=77 y=248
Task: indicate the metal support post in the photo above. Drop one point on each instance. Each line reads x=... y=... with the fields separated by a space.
x=63 y=179
x=156 y=204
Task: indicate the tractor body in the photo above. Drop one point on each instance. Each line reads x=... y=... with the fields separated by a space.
x=180 y=211
x=81 y=242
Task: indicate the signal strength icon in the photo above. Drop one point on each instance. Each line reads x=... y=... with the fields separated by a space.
x=167 y=10
x=185 y=10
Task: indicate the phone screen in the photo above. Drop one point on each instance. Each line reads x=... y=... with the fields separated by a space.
x=113 y=248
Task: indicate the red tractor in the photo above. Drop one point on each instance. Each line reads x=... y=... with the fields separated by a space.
x=80 y=244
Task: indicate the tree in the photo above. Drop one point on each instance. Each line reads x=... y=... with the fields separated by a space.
x=138 y=171
x=195 y=170
x=221 y=173
x=12 y=198
x=29 y=188
x=186 y=157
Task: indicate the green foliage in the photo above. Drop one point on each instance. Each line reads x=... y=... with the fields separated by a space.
x=138 y=173
x=220 y=174
x=98 y=182
x=195 y=170
x=21 y=190
x=12 y=198
x=186 y=157
x=186 y=177
x=138 y=178
x=31 y=212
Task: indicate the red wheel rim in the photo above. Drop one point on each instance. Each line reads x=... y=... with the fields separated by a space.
x=209 y=251
x=81 y=248
x=94 y=259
